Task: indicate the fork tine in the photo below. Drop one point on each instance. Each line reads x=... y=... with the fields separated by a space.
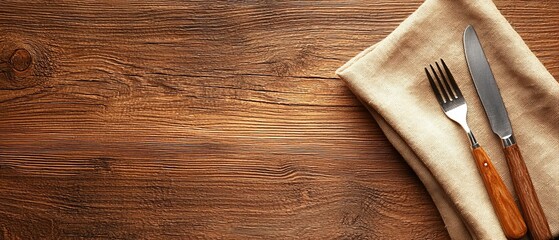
x=443 y=87
x=442 y=81
x=452 y=81
x=451 y=92
x=434 y=87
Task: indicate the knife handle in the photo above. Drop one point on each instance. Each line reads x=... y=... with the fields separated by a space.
x=529 y=202
x=503 y=203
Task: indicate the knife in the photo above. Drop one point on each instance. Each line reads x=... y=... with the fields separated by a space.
x=492 y=102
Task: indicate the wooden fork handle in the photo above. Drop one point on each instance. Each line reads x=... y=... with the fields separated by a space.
x=503 y=203
x=529 y=202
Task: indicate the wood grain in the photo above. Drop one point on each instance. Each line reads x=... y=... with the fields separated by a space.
x=527 y=197
x=505 y=208
x=205 y=120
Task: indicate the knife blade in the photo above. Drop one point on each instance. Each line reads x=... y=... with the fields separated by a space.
x=494 y=107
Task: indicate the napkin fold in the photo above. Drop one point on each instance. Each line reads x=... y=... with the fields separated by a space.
x=389 y=79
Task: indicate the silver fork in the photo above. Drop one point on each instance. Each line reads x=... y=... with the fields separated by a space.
x=454 y=106
x=451 y=99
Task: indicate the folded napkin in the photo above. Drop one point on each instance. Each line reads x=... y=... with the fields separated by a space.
x=390 y=81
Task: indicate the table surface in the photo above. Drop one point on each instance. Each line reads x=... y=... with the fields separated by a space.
x=161 y=120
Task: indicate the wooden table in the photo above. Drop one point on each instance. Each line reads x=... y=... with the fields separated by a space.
x=174 y=120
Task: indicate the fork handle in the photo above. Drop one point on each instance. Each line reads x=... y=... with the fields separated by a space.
x=503 y=203
x=531 y=207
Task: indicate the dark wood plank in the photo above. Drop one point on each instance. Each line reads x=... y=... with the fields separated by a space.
x=206 y=120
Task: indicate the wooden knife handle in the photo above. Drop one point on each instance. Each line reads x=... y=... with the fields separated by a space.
x=533 y=212
x=503 y=203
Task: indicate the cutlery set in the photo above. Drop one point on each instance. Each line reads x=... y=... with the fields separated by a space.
x=454 y=106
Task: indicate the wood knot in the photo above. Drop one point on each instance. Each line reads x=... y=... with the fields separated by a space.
x=25 y=62
x=20 y=60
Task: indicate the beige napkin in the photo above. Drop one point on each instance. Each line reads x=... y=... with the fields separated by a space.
x=389 y=79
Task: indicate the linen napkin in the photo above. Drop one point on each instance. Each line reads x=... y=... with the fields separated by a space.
x=389 y=79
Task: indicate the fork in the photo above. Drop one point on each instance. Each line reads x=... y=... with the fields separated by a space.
x=454 y=106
